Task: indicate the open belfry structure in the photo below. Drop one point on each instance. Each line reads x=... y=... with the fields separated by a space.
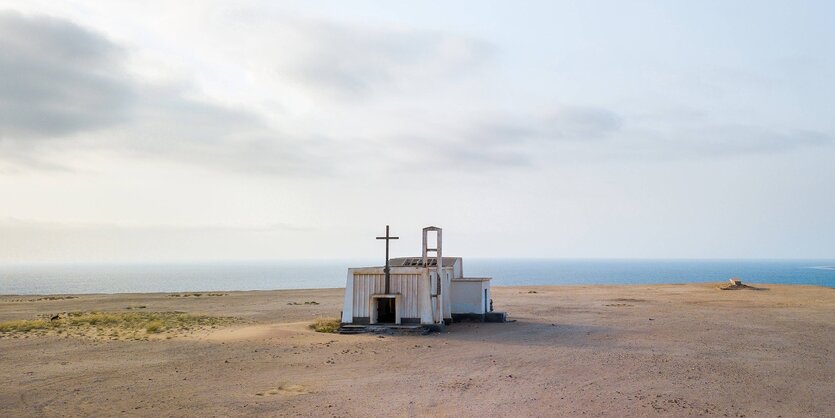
x=416 y=292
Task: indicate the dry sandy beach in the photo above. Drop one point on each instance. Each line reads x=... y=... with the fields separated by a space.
x=661 y=350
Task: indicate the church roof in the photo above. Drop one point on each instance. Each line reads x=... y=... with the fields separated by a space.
x=418 y=261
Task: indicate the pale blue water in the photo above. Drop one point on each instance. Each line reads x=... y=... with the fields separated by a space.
x=119 y=278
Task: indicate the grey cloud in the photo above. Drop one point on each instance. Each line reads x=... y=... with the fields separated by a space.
x=564 y=123
x=515 y=141
x=571 y=134
x=61 y=80
x=581 y=123
x=733 y=140
x=458 y=154
x=170 y=126
x=353 y=61
x=701 y=142
x=8 y=224
x=593 y=133
x=58 y=78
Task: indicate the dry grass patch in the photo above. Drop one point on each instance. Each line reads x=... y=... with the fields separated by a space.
x=154 y=327
x=22 y=326
x=330 y=325
x=187 y=295
x=44 y=298
x=114 y=325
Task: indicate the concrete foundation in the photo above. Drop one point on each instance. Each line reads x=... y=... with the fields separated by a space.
x=390 y=329
x=480 y=317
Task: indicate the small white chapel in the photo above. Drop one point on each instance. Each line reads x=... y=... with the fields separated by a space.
x=429 y=290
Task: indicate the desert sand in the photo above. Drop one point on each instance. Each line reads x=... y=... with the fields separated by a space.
x=661 y=350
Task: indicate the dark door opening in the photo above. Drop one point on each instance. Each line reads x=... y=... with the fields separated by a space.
x=385 y=311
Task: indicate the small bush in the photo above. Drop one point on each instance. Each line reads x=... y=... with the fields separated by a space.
x=154 y=327
x=329 y=325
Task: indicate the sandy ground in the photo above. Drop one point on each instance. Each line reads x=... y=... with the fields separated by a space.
x=667 y=350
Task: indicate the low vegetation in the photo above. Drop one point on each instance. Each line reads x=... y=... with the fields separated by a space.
x=23 y=326
x=186 y=295
x=113 y=325
x=155 y=326
x=309 y=302
x=44 y=298
x=330 y=325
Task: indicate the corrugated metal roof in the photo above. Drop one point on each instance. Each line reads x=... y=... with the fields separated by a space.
x=418 y=261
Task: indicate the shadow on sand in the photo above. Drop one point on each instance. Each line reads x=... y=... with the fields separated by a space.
x=524 y=332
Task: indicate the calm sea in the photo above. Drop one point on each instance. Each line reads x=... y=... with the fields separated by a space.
x=118 y=278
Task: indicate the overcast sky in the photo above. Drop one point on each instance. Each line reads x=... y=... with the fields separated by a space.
x=153 y=131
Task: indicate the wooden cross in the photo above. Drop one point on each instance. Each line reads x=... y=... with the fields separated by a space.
x=387 y=269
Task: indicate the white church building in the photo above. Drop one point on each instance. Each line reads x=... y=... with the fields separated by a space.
x=428 y=290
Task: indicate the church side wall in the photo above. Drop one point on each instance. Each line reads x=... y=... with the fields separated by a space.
x=447 y=293
x=348 y=300
x=467 y=297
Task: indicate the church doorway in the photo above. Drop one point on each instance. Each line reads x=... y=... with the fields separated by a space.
x=386 y=313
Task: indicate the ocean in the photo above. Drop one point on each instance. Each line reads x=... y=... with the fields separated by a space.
x=260 y=275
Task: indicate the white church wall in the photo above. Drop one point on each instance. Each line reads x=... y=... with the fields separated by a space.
x=409 y=282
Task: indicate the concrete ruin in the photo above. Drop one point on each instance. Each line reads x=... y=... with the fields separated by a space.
x=424 y=291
